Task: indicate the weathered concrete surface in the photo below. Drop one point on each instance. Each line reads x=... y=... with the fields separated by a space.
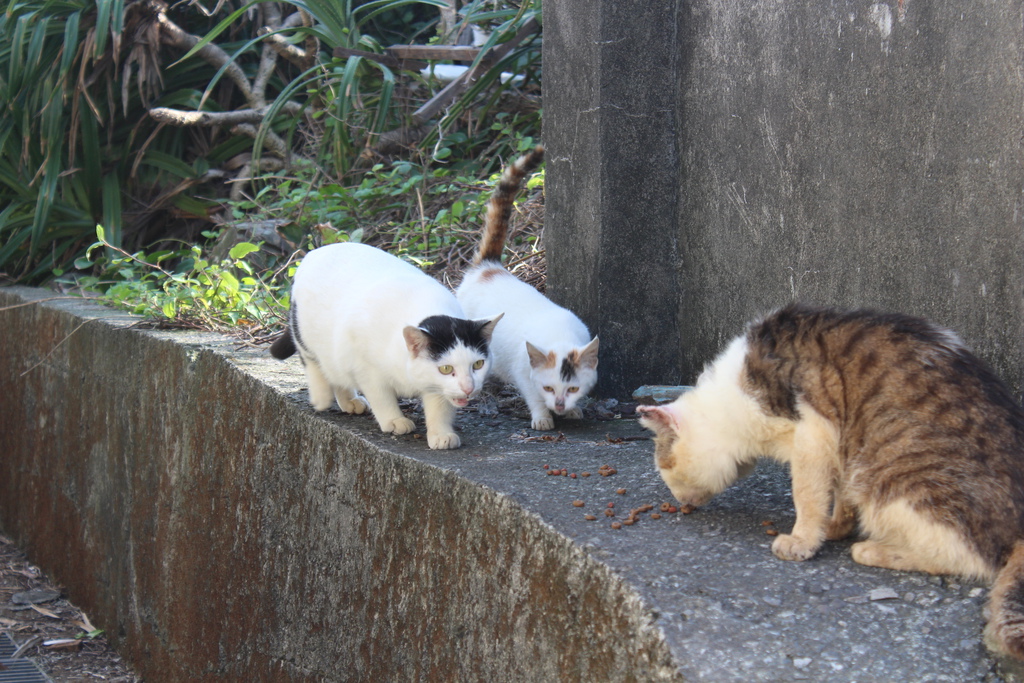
x=220 y=531
x=711 y=160
x=195 y=506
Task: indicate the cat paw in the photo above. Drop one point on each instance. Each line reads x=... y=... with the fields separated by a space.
x=355 y=406
x=398 y=426
x=789 y=547
x=443 y=441
x=874 y=554
x=321 y=404
x=543 y=424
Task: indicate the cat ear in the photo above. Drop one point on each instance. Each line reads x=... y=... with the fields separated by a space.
x=486 y=327
x=416 y=340
x=588 y=355
x=539 y=359
x=661 y=419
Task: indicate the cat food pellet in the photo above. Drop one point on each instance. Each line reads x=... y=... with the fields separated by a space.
x=584 y=474
x=589 y=518
x=645 y=508
x=630 y=521
x=572 y=476
x=771 y=532
x=609 y=512
x=664 y=507
x=616 y=525
x=611 y=505
x=767 y=522
x=577 y=503
x=621 y=492
x=547 y=467
x=655 y=516
x=686 y=509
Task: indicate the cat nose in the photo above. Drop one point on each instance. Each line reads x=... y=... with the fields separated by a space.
x=467 y=387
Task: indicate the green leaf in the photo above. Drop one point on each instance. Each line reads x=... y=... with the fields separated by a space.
x=242 y=249
x=217 y=30
x=230 y=282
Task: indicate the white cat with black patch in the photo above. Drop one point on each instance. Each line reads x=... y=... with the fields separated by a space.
x=364 y=321
x=542 y=348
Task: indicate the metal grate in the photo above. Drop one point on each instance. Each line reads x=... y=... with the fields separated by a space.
x=18 y=670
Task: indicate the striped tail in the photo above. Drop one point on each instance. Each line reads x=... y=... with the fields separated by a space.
x=1005 y=630
x=499 y=208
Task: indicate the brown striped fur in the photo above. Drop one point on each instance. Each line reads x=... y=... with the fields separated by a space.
x=888 y=422
x=499 y=208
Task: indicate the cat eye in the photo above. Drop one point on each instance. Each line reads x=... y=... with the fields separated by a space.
x=550 y=390
x=445 y=369
x=477 y=365
x=573 y=390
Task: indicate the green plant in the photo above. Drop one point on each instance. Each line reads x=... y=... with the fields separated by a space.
x=246 y=293
x=77 y=147
x=184 y=288
x=423 y=211
x=364 y=100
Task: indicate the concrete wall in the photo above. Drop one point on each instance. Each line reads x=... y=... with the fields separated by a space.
x=712 y=160
x=192 y=503
x=219 y=531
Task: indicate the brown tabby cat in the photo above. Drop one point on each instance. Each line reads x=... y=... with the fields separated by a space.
x=885 y=419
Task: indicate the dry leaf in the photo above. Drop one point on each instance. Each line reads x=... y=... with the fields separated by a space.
x=549 y=438
x=44 y=612
x=62 y=644
x=85 y=624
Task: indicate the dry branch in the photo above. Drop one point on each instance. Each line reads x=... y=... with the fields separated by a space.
x=246 y=121
x=179 y=117
x=456 y=53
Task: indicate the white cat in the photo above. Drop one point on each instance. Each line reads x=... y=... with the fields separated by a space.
x=543 y=349
x=365 y=321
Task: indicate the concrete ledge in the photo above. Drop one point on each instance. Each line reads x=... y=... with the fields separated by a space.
x=218 y=529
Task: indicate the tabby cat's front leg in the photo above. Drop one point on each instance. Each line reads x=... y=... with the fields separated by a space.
x=813 y=473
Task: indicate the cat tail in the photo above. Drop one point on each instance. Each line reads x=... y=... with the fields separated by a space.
x=1005 y=629
x=499 y=208
x=284 y=346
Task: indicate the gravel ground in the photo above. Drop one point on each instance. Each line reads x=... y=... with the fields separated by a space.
x=60 y=637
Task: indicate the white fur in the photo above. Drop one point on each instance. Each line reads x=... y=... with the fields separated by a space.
x=530 y=317
x=710 y=436
x=354 y=304
x=722 y=426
